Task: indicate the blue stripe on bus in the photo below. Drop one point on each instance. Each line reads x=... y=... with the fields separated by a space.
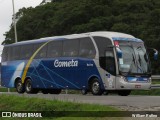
x=45 y=75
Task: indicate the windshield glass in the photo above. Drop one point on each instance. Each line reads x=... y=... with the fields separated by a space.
x=134 y=58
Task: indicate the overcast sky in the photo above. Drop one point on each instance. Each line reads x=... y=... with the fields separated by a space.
x=6 y=12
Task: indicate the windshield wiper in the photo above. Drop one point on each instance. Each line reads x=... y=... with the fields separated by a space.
x=133 y=61
x=140 y=63
x=139 y=59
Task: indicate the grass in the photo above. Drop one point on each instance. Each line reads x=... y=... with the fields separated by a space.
x=6 y=90
x=15 y=103
x=155 y=81
x=34 y=104
x=155 y=92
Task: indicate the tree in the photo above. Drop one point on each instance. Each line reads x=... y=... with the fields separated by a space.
x=140 y=18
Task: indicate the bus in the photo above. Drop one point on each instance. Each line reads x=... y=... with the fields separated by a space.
x=96 y=62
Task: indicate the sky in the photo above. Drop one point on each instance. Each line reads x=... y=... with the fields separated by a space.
x=6 y=12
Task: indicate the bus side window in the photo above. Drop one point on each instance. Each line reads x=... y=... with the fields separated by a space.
x=54 y=49
x=10 y=54
x=110 y=61
x=102 y=44
x=42 y=53
x=16 y=53
x=87 y=48
x=26 y=51
x=70 y=48
x=5 y=54
x=106 y=56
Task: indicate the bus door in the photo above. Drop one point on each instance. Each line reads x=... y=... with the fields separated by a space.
x=110 y=69
x=110 y=79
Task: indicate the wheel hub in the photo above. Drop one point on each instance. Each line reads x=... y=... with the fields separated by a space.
x=28 y=87
x=95 y=87
x=19 y=86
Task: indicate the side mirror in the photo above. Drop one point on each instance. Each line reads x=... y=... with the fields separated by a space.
x=119 y=52
x=155 y=54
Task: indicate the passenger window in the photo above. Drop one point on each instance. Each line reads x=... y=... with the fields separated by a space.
x=16 y=53
x=26 y=51
x=87 y=48
x=70 y=48
x=54 y=49
x=5 y=54
x=10 y=56
x=102 y=44
x=42 y=53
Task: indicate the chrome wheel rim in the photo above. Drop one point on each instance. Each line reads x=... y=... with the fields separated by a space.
x=95 y=87
x=19 y=86
x=28 y=87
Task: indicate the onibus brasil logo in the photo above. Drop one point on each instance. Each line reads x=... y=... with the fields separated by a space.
x=21 y=115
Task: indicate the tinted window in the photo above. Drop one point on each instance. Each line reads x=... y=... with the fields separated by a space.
x=70 y=48
x=42 y=53
x=87 y=48
x=10 y=53
x=106 y=55
x=110 y=61
x=5 y=54
x=16 y=53
x=54 y=49
x=26 y=51
x=102 y=44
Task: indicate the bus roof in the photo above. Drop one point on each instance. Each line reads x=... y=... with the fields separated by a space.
x=107 y=34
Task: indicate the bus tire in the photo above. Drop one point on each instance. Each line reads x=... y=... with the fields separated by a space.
x=19 y=86
x=55 y=91
x=28 y=87
x=124 y=92
x=84 y=92
x=95 y=87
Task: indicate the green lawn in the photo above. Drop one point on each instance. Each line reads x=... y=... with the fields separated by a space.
x=6 y=90
x=155 y=81
x=15 y=103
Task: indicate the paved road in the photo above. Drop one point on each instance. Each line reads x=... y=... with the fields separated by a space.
x=125 y=103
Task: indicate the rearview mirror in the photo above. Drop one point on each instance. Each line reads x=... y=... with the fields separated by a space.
x=155 y=54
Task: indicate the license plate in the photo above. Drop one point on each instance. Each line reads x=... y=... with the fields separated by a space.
x=137 y=86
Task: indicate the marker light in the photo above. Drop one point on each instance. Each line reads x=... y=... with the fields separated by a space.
x=116 y=43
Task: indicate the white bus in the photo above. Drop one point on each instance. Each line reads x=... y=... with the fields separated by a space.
x=97 y=62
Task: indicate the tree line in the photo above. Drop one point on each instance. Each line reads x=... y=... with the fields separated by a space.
x=140 y=18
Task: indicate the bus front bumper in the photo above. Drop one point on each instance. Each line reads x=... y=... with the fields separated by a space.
x=123 y=84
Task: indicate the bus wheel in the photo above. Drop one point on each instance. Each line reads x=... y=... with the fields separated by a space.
x=55 y=91
x=95 y=87
x=84 y=92
x=20 y=87
x=124 y=92
x=29 y=88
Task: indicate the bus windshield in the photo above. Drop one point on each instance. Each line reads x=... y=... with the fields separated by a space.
x=134 y=58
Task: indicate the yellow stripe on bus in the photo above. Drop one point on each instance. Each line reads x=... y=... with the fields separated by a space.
x=30 y=61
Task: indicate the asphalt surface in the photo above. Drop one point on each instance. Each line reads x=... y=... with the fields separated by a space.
x=130 y=103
